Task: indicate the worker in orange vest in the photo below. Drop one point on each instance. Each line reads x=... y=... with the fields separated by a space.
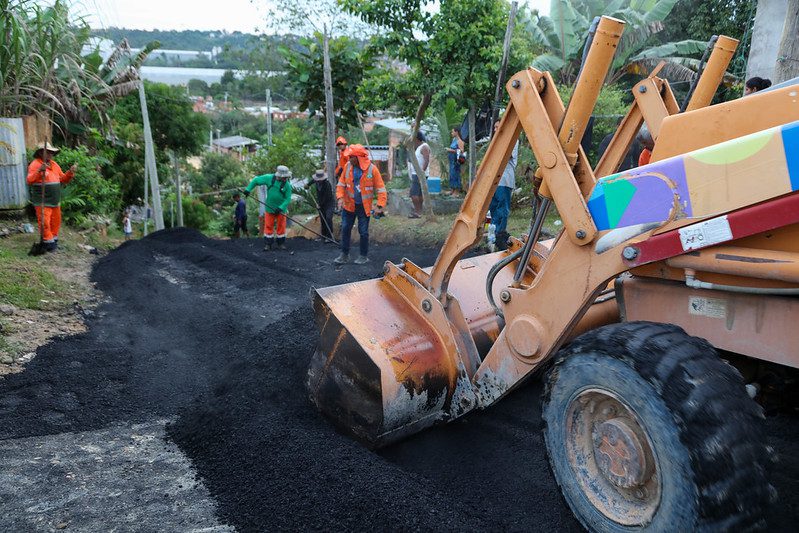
x=357 y=186
x=341 y=146
x=45 y=180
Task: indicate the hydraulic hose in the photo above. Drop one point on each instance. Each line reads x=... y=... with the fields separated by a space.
x=493 y=274
x=691 y=281
x=535 y=232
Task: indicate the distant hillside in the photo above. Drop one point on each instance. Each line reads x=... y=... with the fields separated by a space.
x=178 y=40
x=236 y=50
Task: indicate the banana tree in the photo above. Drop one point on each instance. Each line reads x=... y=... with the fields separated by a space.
x=564 y=31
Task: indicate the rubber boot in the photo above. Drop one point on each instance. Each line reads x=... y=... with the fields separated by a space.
x=342 y=258
x=362 y=260
x=269 y=242
x=281 y=243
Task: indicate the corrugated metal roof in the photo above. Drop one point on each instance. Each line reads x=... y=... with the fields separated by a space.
x=234 y=141
x=13 y=189
x=403 y=126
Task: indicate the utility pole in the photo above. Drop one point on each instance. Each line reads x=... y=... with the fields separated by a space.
x=146 y=199
x=514 y=6
x=149 y=161
x=225 y=99
x=211 y=140
x=788 y=56
x=330 y=120
x=179 y=193
x=269 y=117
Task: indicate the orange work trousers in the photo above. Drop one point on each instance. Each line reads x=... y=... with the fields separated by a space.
x=49 y=219
x=269 y=225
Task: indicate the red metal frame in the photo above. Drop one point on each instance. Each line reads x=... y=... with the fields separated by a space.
x=768 y=215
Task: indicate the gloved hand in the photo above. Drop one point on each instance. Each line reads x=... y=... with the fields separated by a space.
x=245 y=192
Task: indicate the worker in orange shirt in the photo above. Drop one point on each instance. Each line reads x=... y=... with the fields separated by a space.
x=45 y=180
x=357 y=186
x=341 y=147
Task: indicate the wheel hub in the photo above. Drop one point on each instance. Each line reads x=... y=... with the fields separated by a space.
x=619 y=454
x=612 y=457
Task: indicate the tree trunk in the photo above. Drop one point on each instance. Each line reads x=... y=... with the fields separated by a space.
x=330 y=118
x=472 y=144
x=788 y=56
x=423 y=105
x=503 y=66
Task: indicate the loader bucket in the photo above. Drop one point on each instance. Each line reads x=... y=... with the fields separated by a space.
x=385 y=368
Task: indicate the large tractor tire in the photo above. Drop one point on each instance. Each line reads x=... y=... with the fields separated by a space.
x=648 y=429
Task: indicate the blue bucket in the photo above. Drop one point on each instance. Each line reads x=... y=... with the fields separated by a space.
x=434 y=185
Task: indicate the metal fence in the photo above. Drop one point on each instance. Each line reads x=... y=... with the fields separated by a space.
x=13 y=189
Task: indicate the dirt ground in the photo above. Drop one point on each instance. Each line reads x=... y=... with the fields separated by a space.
x=23 y=330
x=183 y=407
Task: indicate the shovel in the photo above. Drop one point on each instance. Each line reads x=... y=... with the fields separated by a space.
x=40 y=248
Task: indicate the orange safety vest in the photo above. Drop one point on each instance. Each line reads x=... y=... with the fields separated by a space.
x=371 y=183
x=46 y=192
x=342 y=162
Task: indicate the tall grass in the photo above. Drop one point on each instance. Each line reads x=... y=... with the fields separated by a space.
x=43 y=70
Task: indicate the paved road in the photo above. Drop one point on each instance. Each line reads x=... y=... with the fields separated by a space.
x=183 y=408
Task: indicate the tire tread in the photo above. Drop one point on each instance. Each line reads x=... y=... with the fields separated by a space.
x=720 y=426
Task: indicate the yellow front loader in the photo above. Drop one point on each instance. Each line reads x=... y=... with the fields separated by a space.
x=645 y=425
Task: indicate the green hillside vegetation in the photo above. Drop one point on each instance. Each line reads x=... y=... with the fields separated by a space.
x=239 y=51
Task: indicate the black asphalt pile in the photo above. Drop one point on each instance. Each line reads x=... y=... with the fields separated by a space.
x=218 y=335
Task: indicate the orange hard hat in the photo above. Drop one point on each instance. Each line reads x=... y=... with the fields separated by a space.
x=341 y=140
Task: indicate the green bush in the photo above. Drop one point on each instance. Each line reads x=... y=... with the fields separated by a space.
x=218 y=169
x=290 y=149
x=196 y=214
x=610 y=108
x=89 y=193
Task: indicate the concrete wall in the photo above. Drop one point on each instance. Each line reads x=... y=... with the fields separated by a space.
x=769 y=20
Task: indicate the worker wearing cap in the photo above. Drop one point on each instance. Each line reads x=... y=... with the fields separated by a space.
x=357 y=186
x=341 y=147
x=46 y=180
x=325 y=201
x=278 y=198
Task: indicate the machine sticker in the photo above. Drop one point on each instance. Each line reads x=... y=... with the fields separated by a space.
x=705 y=233
x=709 y=307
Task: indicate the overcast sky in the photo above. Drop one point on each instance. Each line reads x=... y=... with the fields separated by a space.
x=231 y=15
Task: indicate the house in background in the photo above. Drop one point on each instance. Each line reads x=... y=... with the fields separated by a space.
x=396 y=157
x=242 y=148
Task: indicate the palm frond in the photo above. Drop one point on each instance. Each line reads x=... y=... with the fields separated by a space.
x=677 y=48
x=548 y=62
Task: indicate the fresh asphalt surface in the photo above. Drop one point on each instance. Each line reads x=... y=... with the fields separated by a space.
x=184 y=408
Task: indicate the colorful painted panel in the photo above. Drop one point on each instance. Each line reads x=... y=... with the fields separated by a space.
x=706 y=182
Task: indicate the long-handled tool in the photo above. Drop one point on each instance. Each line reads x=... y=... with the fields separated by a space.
x=321 y=215
x=39 y=248
x=328 y=239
